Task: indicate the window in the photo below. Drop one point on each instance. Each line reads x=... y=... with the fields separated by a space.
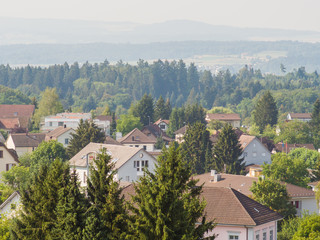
x=146 y=164
x=162 y=126
x=263 y=154
x=50 y=124
x=84 y=177
x=145 y=147
x=233 y=237
x=127 y=178
x=264 y=236
x=257 y=235
x=138 y=166
x=271 y=234
x=9 y=166
x=60 y=124
x=1 y=154
x=136 y=145
x=66 y=141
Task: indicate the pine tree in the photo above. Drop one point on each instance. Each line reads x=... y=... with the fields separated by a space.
x=227 y=152
x=167 y=203
x=315 y=123
x=86 y=132
x=113 y=125
x=196 y=148
x=144 y=110
x=107 y=214
x=71 y=210
x=266 y=111
x=38 y=216
x=160 y=109
x=168 y=109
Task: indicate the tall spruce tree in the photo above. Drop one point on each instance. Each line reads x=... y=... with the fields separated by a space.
x=71 y=210
x=167 y=203
x=160 y=109
x=227 y=152
x=315 y=123
x=266 y=112
x=196 y=148
x=107 y=215
x=86 y=132
x=144 y=110
x=39 y=201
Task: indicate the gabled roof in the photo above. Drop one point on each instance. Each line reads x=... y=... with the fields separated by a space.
x=223 y=117
x=12 y=152
x=110 y=140
x=54 y=134
x=181 y=130
x=155 y=132
x=27 y=139
x=300 y=115
x=119 y=153
x=282 y=147
x=136 y=137
x=16 y=111
x=162 y=120
x=243 y=184
x=245 y=140
x=103 y=118
x=228 y=206
x=9 y=123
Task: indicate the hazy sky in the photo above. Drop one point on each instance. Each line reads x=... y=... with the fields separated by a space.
x=287 y=14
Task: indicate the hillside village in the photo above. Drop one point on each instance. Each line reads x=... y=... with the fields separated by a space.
x=229 y=161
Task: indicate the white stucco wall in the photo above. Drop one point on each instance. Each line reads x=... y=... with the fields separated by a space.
x=306 y=205
x=149 y=147
x=256 y=153
x=66 y=135
x=6 y=159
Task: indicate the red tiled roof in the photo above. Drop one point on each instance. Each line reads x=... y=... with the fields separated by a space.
x=9 y=123
x=54 y=134
x=104 y=118
x=16 y=111
x=243 y=184
x=300 y=115
x=110 y=140
x=162 y=120
x=27 y=139
x=223 y=116
x=279 y=147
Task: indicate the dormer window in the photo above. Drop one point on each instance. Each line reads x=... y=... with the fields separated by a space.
x=15 y=113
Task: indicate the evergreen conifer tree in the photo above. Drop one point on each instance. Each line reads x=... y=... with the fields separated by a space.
x=227 y=152
x=167 y=204
x=107 y=214
x=38 y=216
x=86 y=132
x=315 y=123
x=160 y=109
x=196 y=148
x=168 y=109
x=144 y=110
x=266 y=111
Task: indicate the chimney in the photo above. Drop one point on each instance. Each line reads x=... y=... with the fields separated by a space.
x=216 y=176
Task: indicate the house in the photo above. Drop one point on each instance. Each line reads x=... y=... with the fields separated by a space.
x=129 y=161
x=24 y=142
x=232 y=118
x=304 y=117
x=70 y=120
x=254 y=152
x=179 y=134
x=103 y=122
x=138 y=139
x=11 y=205
x=163 y=124
x=15 y=116
x=8 y=158
x=302 y=198
x=110 y=140
x=236 y=215
x=287 y=148
x=61 y=135
x=153 y=131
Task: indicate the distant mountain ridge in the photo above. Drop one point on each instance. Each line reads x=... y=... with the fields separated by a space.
x=32 y=31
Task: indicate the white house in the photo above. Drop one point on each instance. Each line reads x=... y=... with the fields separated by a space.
x=8 y=158
x=232 y=118
x=70 y=120
x=24 y=142
x=138 y=139
x=11 y=205
x=304 y=117
x=129 y=161
x=61 y=134
x=163 y=124
x=103 y=122
x=254 y=152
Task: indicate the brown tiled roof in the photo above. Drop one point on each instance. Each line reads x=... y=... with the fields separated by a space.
x=181 y=130
x=12 y=152
x=54 y=134
x=110 y=140
x=9 y=123
x=223 y=116
x=228 y=206
x=136 y=137
x=27 y=139
x=104 y=118
x=245 y=140
x=313 y=183
x=16 y=111
x=301 y=115
x=155 y=132
x=119 y=153
x=243 y=184
x=279 y=147
x=162 y=120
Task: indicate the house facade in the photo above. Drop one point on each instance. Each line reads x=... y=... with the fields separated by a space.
x=69 y=120
x=179 y=134
x=254 y=152
x=304 y=117
x=138 y=139
x=129 y=161
x=8 y=158
x=103 y=122
x=24 y=142
x=232 y=118
x=163 y=124
x=61 y=135
x=153 y=132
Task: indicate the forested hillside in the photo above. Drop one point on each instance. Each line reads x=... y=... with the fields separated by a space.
x=89 y=86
